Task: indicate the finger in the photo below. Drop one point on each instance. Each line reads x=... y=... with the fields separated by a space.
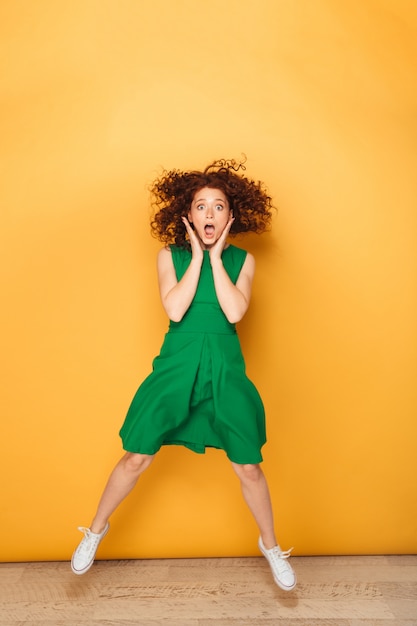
x=227 y=227
x=188 y=227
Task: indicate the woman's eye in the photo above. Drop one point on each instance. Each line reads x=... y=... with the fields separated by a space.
x=219 y=207
x=200 y=206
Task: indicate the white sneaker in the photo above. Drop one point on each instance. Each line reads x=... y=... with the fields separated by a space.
x=83 y=557
x=282 y=571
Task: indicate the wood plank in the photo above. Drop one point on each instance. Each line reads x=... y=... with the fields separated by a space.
x=333 y=591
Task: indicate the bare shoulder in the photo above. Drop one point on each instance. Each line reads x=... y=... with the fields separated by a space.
x=164 y=257
x=249 y=264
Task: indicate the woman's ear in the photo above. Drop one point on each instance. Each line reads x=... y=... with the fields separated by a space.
x=189 y=217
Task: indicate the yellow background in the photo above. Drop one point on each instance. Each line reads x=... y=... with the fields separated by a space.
x=97 y=97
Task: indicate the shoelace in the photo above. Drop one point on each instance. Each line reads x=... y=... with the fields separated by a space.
x=90 y=540
x=279 y=557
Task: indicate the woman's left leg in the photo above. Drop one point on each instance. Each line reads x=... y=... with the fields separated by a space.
x=256 y=494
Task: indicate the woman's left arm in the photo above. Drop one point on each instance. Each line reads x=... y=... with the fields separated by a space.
x=233 y=299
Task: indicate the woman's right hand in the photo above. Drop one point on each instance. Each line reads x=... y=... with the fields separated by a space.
x=177 y=295
x=196 y=248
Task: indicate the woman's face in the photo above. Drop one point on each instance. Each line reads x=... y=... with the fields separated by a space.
x=209 y=213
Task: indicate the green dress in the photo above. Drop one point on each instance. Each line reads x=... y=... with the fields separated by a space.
x=198 y=394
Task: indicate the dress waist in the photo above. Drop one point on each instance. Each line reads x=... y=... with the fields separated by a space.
x=203 y=317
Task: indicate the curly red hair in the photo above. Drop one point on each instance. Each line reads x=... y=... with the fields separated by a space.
x=174 y=191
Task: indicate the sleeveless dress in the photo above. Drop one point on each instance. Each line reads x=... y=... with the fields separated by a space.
x=198 y=394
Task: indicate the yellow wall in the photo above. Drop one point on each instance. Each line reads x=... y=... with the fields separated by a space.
x=96 y=97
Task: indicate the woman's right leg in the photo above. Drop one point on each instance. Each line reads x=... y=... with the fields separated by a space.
x=121 y=482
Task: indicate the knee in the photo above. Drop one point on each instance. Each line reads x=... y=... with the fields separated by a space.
x=137 y=463
x=248 y=472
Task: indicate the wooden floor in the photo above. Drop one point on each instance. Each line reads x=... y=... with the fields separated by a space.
x=342 y=591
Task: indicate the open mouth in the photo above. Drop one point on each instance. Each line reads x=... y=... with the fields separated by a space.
x=209 y=230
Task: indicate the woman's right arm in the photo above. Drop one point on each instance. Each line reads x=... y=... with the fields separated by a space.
x=176 y=296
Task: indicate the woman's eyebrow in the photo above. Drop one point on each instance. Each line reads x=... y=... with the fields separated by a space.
x=205 y=200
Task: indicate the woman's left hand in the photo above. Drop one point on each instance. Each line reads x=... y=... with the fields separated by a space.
x=217 y=249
